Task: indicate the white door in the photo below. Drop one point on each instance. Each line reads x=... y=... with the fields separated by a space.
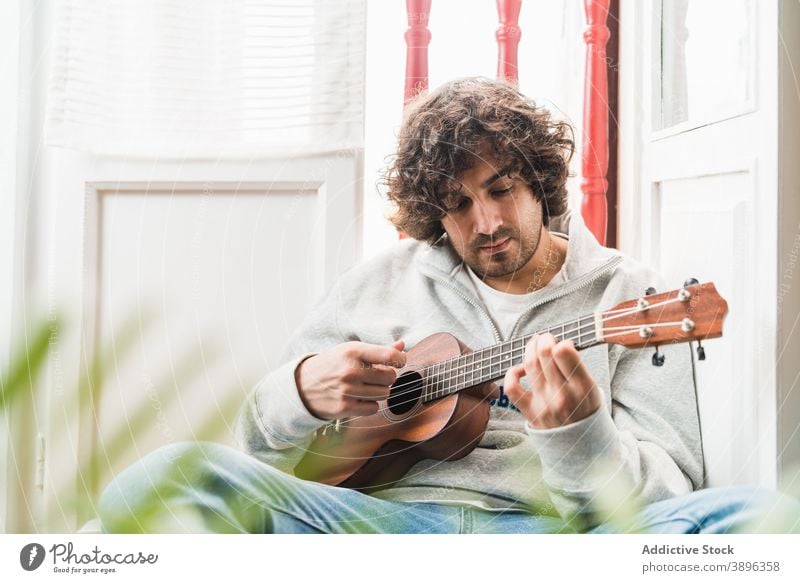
x=699 y=195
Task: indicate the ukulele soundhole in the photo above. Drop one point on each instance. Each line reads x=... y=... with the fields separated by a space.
x=405 y=393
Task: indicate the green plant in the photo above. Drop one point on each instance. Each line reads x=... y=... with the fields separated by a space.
x=22 y=383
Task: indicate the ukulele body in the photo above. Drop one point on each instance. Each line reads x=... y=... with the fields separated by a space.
x=372 y=452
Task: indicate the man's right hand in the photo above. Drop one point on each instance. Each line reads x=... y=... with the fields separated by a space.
x=348 y=379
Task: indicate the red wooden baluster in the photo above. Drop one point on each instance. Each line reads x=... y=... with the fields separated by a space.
x=595 y=120
x=417 y=39
x=508 y=35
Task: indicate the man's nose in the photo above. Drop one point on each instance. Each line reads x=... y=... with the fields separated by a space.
x=487 y=217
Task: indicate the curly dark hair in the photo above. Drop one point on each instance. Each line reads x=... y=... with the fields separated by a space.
x=444 y=130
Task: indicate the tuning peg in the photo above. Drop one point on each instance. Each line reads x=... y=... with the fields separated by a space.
x=690 y=281
x=650 y=291
x=658 y=358
x=701 y=352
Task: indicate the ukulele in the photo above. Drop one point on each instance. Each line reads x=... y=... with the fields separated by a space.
x=438 y=408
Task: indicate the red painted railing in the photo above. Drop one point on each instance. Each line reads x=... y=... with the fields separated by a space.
x=508 y=35
x=595 y=120
x=595 y=150
x=417 y=39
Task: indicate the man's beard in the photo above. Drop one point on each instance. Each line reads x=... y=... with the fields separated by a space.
x=506 y=262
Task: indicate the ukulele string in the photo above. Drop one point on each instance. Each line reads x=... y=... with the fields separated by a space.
x=414 y=383
x=577 y=333
x=510 y=355
x=453 y=372
x=503 y=355
x=571 y=335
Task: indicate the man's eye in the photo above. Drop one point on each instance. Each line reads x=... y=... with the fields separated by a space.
x=456 y=205
x=503 y=191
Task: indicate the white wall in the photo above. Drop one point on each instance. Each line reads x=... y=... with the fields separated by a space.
x=24 y=31
x=789 y=245
x=9 y=72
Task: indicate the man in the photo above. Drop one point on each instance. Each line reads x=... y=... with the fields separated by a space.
x=479 y=185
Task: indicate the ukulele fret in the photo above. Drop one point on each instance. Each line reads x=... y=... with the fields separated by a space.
x=586 y=337
x=569 y=329
x=477 y=369
x=508 y=357
x=518 y=346
x=449 y=376
x=445 y=377
x=472 y=369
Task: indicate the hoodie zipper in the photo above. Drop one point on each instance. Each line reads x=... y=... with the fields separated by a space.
x=475 y=305
x=578 y=284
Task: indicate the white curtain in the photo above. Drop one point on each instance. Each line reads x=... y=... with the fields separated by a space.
x=208 y=78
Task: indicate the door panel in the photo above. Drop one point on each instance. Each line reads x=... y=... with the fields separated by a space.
x=213 y=278
x=716 y=205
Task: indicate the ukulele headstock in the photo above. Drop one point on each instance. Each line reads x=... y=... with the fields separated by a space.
x=694 y=312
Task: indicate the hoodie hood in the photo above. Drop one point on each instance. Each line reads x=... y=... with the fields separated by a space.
x=584 y=253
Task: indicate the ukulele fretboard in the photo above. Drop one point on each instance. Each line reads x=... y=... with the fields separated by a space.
x=491 y=363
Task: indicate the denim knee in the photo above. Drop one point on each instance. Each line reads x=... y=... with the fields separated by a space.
x=759 y=510
x=160 y=483
x=731 y=509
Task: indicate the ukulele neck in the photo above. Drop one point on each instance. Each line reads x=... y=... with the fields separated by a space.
x=491 y=363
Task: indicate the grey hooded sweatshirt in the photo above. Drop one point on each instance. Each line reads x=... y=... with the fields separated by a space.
x=646 y=435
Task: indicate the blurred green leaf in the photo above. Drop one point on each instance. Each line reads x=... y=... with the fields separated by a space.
x=27 y=363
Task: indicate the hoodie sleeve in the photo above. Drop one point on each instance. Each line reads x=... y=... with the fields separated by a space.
x=273 y=424
x=642 y=447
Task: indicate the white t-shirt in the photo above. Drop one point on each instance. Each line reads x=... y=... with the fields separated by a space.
x=505 y=308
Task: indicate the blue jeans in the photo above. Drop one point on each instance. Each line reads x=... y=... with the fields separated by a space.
x=206 y=487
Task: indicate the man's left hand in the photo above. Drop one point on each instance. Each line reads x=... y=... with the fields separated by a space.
x=562 y=390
